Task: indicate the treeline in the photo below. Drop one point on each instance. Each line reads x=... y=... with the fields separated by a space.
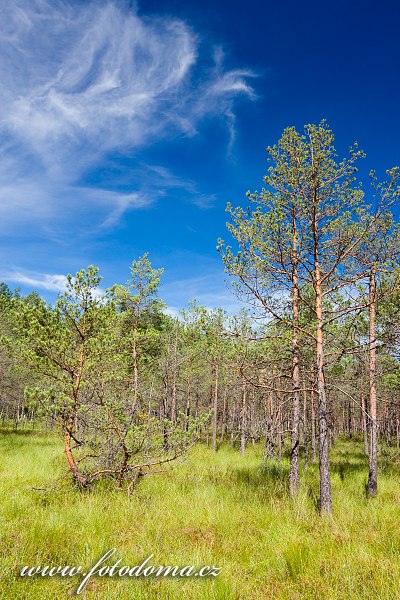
x=315 y=356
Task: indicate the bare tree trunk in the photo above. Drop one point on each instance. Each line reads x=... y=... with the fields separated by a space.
x=232 y=424
x=305 y=423
x=313 y=424
x=232 y=440
x=188 y=392
x=324 y=467
x=350 y=418
x=373 y=449
x=243 y=420
x=174 y=405
x=364 y=417
x=294 y=449
x=135 y=371
x=269 y=451
x=280 y=429
x=164 y=412
x=174 y=400
x=251 y=424
x=224 y=413
x=149 y=414
x=215 y=415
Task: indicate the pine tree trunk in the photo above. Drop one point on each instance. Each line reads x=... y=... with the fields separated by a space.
x=224 y=414
x=174 y=404
x=305 y=423
x=294 y=449
x=135 y=369
x=313 y=423
x=188 y=393
x=364 y=417
x=77 y=475
x=215 y=406
x=174 y=400
x=324 y=468
x=373 y=449
x=164 y=413
x=295 y=441
x=349 y=419
x=243 y=420
x=269 y=450
x=280 y=428
x=232 y=420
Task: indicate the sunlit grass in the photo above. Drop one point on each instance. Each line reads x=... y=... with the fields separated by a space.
x=224 y=510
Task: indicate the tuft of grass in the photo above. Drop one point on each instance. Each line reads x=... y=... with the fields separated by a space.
x=224 y=510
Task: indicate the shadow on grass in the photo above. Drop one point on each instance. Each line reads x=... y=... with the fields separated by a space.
x=347 y=458
x=22 y=432
x=345 y=468
x=346 y=453
x=270 y=480
x=24 y=439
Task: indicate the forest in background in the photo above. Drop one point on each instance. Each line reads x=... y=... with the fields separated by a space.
x=313 y=357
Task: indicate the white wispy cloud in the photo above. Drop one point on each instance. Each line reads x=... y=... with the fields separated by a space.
x=80 y=80
x=43 y=281
x=94 y=73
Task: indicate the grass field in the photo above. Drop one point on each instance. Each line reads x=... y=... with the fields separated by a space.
x=224 y=510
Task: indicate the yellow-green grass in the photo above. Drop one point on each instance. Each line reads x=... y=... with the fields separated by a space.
x=224 y=510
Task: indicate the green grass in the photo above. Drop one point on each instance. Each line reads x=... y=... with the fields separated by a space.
x=224 y=510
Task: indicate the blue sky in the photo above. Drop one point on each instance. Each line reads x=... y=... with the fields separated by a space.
x=126 y=127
